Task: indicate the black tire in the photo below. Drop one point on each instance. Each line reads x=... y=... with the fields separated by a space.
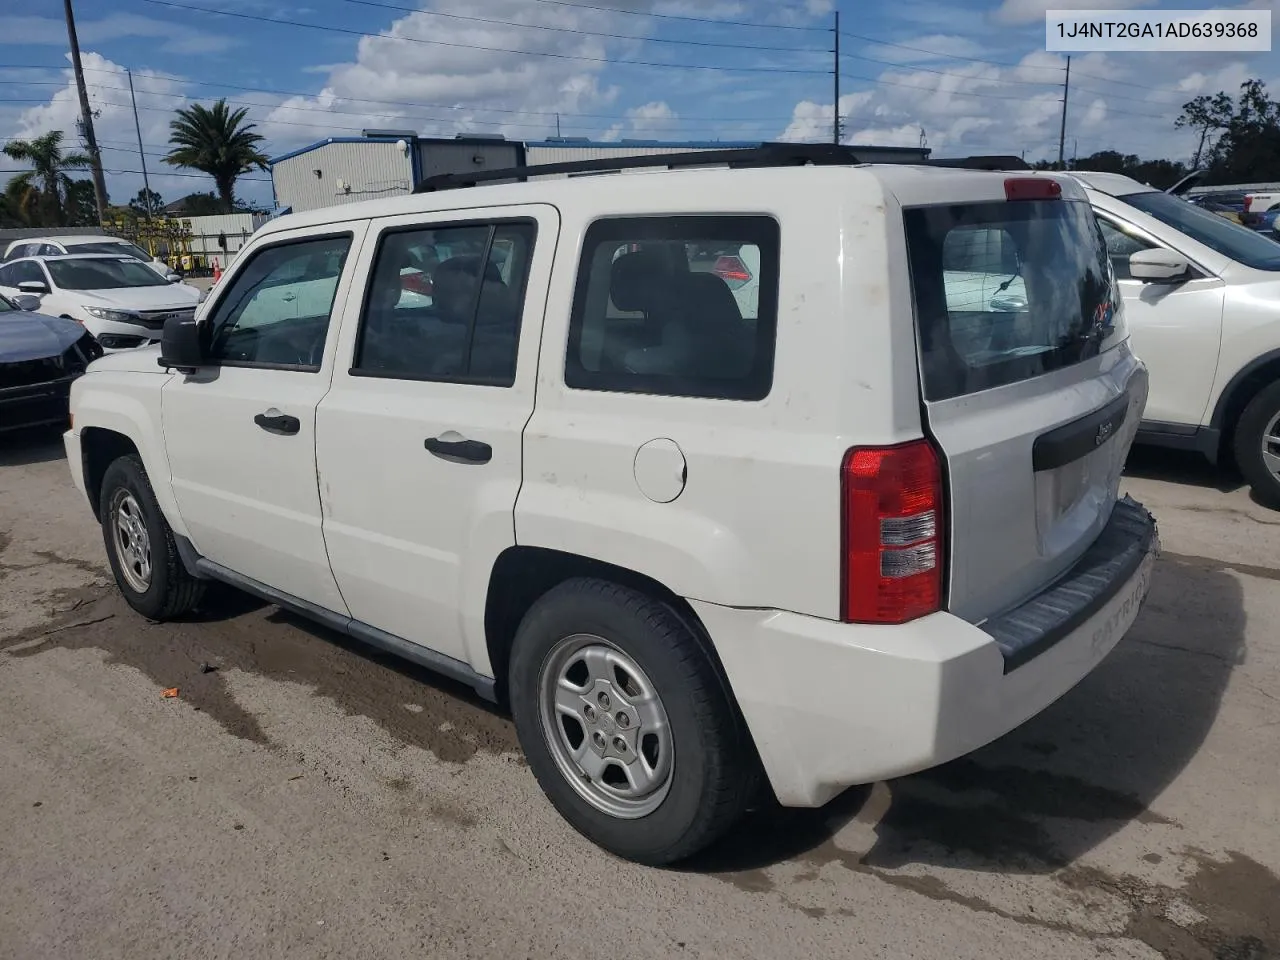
x=1249 y=433
x=714 y=767
x=172 y=591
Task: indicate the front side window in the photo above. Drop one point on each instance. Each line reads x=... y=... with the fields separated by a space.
x=676 y=306
x=103 y=274
x=1120 y=247
x=1006 y=291
x=444 y=303
x=276 y=310
x=22 y=272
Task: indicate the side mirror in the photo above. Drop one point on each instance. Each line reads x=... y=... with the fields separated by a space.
x=180 y=345
x=36 y=288
x=26 y=301
x=173 y=277
x=1158 y=266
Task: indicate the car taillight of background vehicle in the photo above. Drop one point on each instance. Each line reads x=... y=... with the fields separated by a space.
x=416 y=283
x=732 y=271
x=892 y=519
x=1248 y=200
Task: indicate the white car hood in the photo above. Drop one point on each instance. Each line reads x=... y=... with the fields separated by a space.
x=171 y=296
x=137 y=360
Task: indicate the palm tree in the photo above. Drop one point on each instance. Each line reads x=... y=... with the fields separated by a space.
x=42 y=190
x=218 y=142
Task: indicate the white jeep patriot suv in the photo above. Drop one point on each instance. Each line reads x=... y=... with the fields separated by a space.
x=857 y=529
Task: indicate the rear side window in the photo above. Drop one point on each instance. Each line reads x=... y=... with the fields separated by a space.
x=1006 y=291
x=676 y=306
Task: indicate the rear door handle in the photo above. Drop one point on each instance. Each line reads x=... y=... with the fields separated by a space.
x=459 y=451
x=289 y=297
x=277 y=422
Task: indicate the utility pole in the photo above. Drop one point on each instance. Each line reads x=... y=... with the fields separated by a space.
x=95 y=157
x=557 y=126
x=835 y=103
x=142 y=157
x=1062 y=130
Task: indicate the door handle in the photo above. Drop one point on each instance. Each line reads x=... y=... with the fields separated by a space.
x=459 y=451
x=289 y=297
x=278 y=422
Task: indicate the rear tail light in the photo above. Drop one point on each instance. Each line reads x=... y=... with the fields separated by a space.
x=1032 y=188
x=731 y=268
x=1247 y=202
x=892 y=533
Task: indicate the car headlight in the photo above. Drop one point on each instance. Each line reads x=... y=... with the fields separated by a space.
x=102 y=313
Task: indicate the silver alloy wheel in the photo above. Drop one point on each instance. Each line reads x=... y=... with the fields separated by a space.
x=1271 y=447
x=131 y=540
x=606 y=727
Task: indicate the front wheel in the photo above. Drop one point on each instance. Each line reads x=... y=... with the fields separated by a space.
x=140 y=546
x=1257 y=444
x=626 y=723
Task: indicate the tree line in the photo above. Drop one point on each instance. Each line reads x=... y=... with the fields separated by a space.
x=213 y=140
x=1239 y=142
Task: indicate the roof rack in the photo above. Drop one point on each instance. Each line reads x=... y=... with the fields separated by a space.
x=766 y=155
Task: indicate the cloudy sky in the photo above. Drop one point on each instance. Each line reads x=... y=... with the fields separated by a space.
x=970 y=76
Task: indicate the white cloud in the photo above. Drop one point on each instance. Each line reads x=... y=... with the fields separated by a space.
x=51 y=31
x=1032 y=11
x=1125 y=102
x=456 y=84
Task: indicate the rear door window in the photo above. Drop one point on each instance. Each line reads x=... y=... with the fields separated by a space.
x=1006 y=291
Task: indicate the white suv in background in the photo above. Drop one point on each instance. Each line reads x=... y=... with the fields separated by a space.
x=1202 y=297
x=862 y=532
x=86 y=244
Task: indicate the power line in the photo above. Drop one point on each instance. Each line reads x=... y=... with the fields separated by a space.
x=685 y=18
x=475 y=46
x=584 y=33
x=949 y=73
x=945 y=56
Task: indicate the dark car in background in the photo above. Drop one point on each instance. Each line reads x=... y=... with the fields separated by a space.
x=39 y=358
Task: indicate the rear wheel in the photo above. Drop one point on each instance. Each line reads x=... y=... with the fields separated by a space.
x=1257 y=444
x=626 y=723
x=140 y=546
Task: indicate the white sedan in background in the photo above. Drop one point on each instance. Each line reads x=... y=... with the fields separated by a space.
x=121 y=301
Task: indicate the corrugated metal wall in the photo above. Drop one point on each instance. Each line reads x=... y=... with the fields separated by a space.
x=238 y=228
x=349 y=172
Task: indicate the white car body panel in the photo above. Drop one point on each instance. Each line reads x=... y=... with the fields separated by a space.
x=413 y=538
x=257 y=513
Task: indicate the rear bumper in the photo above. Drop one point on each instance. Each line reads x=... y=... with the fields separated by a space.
x=35 y=405
x=831 y=705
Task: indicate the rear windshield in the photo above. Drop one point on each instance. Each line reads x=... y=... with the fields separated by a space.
x=111 y=247
x=1006 y=291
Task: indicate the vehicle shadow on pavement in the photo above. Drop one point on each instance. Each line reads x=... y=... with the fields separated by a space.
x=1039 y=798
x=26 y=447
x=415 y=705
x=1183 y=467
